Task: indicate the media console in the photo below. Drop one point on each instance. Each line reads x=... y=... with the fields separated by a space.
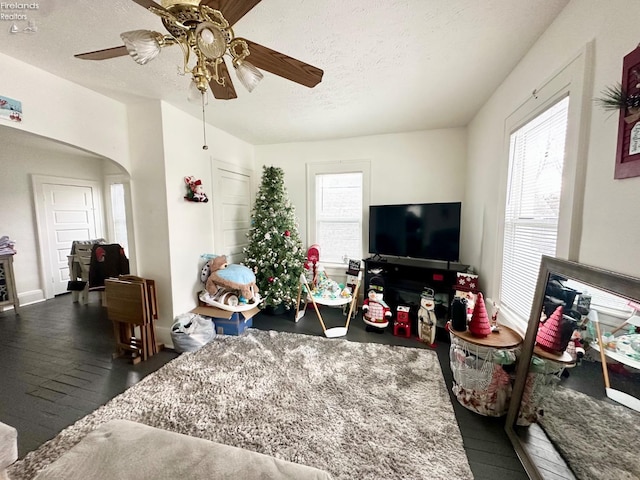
x=406 y=278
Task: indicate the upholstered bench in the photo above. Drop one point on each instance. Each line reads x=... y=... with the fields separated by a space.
x=8 y=448
x=122 y=449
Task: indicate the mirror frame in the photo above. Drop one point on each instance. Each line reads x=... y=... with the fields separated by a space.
x=618 y=284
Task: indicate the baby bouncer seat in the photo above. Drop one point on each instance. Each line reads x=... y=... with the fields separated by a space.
x=323 y=291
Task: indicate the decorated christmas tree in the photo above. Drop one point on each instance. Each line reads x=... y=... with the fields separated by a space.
x=275 y=251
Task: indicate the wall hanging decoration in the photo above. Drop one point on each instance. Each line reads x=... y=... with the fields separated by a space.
x=10 y=109
x=195 y=190
x=625 y=97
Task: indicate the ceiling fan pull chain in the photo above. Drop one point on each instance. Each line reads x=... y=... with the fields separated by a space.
x=204 y=125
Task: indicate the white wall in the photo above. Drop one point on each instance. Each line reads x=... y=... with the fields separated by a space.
x=149 y=202
x=191 y=225
x=425 y=166
x=17 y=215
x=171 y=232
x=611 y=221
x=157 y=144
x=66 y=112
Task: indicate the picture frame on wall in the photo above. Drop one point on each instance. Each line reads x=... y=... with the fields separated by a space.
x=628 y=150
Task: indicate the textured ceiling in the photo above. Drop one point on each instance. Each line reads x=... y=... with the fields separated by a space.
x=389 y=65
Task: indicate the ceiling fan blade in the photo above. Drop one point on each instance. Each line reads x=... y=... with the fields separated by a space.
x=232 y=10
x=149 y=3
x=283 y=65
x=104 y=54
x=226 y=91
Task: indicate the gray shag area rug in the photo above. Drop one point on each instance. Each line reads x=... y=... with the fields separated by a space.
x=598 y=439
x=357 y=410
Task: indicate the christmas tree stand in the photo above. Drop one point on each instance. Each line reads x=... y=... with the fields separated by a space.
x=275 y=309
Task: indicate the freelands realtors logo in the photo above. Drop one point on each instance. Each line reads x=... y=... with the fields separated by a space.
x=15 y=12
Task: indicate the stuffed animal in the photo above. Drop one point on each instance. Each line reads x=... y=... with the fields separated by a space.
x=232 y=277
x=575 y=347
x=195 y=190
x=376 y=313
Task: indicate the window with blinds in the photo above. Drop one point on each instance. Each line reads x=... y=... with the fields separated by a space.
x=536 y=159
x=602 y=299
x=338 y=216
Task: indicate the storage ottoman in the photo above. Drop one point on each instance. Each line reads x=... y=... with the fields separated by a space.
x=120 y=449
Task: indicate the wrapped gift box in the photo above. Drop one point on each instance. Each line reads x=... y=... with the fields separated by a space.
x=466 y=282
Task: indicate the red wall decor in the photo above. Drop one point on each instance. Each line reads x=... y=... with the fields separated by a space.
x=628 y=154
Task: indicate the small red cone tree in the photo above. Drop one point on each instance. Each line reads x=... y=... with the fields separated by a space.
x=479 y=325
x=549 y=335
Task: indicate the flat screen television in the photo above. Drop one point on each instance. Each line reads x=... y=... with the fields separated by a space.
x=420 y=230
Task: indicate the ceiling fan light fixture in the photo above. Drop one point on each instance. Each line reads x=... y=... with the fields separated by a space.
x=210 y=39
x=142 y=45
x=195 y=95
x=248 y=74
x=171 y=3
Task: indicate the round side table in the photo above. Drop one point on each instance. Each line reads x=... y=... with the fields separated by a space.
x=480 y=381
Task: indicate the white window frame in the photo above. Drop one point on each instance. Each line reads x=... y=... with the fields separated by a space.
x=572 y=80
x=321 y=168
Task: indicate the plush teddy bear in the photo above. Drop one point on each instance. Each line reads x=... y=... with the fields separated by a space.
x=232 y=277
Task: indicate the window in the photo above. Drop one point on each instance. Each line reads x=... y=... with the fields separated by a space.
x=601 y=300
x=119 y=221
x=338 y=198
x=119 y=216
x=543 y=184
x=339 y=216
x=536 y=160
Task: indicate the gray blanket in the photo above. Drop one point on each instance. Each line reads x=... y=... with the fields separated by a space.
x=121 y=449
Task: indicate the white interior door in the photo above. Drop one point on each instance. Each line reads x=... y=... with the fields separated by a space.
x=232 y=210
x=68 y=210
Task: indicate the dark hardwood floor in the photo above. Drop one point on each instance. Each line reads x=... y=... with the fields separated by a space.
x=57 y=366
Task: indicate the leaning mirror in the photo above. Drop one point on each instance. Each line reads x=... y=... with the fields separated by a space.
x=575 y=408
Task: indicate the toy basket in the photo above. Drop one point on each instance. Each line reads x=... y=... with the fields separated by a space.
x=542 y=377
x=481 y=384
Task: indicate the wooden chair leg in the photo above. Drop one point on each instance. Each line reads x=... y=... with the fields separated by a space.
x=298 y=300
x=315 y=306
x=354 y=303
x=603 y=358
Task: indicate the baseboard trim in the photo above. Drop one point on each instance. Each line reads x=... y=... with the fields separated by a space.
x=33 y=296
x=163 y=335
x=26 y=298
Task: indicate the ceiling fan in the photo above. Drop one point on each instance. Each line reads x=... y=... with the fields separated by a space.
x=202 y=28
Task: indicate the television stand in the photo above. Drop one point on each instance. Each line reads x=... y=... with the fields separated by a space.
x=406 y=278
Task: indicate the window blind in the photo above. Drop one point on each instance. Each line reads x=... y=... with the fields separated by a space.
x=536 y=159
x=600 y=298
x=339 y=216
